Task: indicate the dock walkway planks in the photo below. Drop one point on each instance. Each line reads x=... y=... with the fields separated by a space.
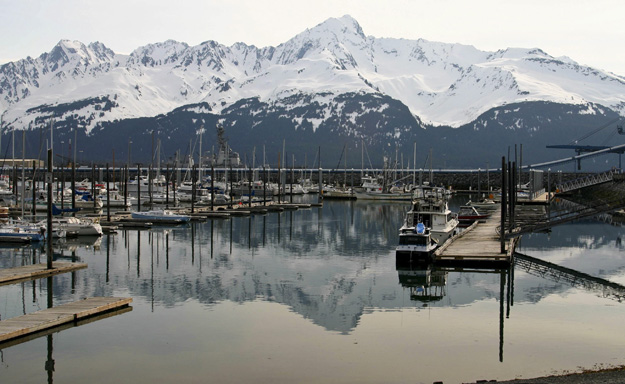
x=37 y=271
x=62 y=314
x=479 y=243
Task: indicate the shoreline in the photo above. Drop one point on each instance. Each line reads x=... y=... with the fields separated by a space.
x=615 y=375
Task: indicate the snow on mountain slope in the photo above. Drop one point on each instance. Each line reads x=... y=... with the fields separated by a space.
x=442 y=84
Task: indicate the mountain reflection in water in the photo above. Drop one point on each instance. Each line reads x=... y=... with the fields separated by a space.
x=335 y=267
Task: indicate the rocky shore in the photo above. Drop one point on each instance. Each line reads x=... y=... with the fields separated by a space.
x=608 y=376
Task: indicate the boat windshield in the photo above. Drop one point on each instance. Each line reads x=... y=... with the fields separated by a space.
x=413 y=240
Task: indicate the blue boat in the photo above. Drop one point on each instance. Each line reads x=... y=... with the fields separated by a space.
x=21 y=233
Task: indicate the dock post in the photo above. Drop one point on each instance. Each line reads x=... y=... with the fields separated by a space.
x=504 y=192
x=212 y=187
x=34 y=207
x=167 y=187
x=150 y=186
x=93 y=183
x=138 y=187
x=125 y=184
x=74 y=187
x=108 y=194
x=193 y=186
x=549 y=194
x=250 y=179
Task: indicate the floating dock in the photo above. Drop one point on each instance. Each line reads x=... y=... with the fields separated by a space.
x=35 y=322
x=478 y=244
x=37 y=271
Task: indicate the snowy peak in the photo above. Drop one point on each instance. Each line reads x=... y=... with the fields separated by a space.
x=75 y=54
x=157 y=54
x=339 y=37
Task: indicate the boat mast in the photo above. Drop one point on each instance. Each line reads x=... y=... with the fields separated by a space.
x=414 y=166
x=158 y=158
x=200 y=155
x=23 y=168
x=362 y=158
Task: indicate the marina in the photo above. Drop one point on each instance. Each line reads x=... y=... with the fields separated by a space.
x=253 y=263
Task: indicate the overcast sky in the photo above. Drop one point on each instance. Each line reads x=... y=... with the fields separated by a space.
x=591 y=32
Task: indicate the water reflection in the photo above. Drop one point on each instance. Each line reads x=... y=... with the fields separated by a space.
x=426 y=283
x=332 y=266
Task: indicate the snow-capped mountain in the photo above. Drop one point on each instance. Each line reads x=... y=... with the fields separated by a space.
x=311 y=81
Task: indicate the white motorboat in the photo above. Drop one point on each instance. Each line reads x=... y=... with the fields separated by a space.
x=415 y=242
x=117 y=201
x=161 y=216
x=75 y=226
x=429 y=206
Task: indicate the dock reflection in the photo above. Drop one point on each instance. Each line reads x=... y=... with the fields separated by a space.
x=427 y=283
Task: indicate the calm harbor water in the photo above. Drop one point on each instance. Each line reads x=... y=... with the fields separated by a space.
x=314 y=296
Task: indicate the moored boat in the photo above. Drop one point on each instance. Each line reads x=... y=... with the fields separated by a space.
x=467 y=215
x=74 y=226
x=21 y=233
x=161 y=216
x=416 y=243
x=429 y=206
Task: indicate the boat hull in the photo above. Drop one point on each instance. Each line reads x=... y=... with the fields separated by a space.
x=160 y=218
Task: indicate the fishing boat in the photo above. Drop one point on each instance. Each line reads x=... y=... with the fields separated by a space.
x=429 y=206
x=161 y=216
x=256 y=188
x=371 y=189
x=416 y=243
x=338 y=193
x=185 y=192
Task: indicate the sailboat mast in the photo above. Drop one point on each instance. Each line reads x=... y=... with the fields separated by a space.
x=414 y=165
x=158 y=157
x=200 y=155
x=23 y=169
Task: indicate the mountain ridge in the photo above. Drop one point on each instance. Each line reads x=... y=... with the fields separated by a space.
x=331 y=77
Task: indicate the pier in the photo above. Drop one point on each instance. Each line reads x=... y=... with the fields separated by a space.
x=478 y=244
x=37 y=271
x=52 y=317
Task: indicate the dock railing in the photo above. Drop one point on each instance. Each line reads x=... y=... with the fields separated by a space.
x=587 y=181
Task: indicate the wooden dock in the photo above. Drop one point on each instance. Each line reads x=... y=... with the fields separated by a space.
x=478 y=244
x=31 y=323
x=37 y=271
